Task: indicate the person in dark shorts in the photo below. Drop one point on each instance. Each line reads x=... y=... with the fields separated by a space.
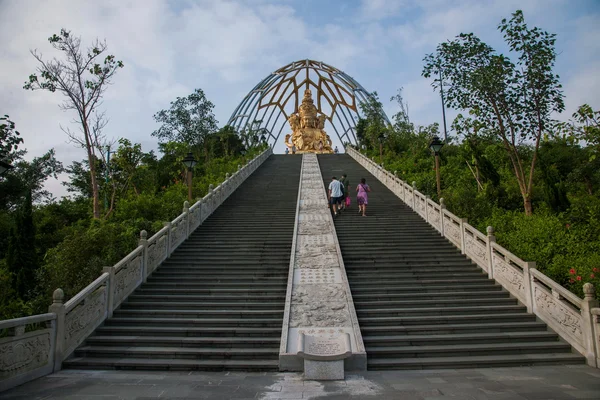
x=346 y=184
x=336 y=194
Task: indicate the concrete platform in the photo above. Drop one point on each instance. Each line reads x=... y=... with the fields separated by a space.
x=525 y=383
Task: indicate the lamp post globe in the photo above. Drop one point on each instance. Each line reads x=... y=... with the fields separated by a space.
x=4 y=167
x=436 y=145
x=189 y=161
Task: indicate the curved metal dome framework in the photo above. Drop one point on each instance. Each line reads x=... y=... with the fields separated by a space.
x=268 y=105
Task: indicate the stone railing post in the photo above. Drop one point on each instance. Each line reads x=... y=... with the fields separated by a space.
x=110 y=287
x=200 y=211
x=58 y=308
x=463 y=221
x=427 y=198
x=414 y=186
x=528 y=286
x=587 y=325
x=186 y=217
x=442 y=208
x=143 y=242
x=491 y=238
x=168 y=246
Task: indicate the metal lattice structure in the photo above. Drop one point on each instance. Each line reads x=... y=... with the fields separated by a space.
x=269 y=104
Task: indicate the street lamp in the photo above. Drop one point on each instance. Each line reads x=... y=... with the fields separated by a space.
x=443 y=107
x=189 y=161
x=435 y=146
x=4 y=166
x=381 y=138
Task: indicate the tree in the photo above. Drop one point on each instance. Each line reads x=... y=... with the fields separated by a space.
x=514 y=101
x=189 y=120
x=9 y=139
x=375 y=126
x=22 y=258
x=82 y=77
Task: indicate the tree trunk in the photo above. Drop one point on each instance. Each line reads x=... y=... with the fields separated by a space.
x=527 y=205
x=95 y=190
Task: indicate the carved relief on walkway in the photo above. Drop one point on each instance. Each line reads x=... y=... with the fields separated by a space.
x=319 y=305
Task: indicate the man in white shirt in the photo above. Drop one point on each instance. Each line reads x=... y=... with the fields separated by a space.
x=336 y=194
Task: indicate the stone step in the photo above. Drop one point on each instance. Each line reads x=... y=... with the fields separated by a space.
x=448 y=319
x=195 y=322
x=464 y=338
x=199 y=313
x=171 y=364
x=175 y=331
x=496 y=361
x=155 y=353
x=422 y=280
x=419 y=274
x=446 y=311
x=225 y=278
x=171 y=289
x=460 y=350
x=140 y=295
x=367 y=305
x=206 y=305
x=493 y=293
x=421 y=263
x=431 y=288
x=432 y=328
x=169 y=341
x=188 y=283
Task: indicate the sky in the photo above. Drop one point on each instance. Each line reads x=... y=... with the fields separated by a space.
x=225 y=47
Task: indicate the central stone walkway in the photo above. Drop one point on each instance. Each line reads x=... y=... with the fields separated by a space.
x=525 y=383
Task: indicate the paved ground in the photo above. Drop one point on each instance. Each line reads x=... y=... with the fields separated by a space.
x=531 y=383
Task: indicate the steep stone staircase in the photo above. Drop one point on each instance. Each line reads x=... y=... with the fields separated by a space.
x=420 y=303
x=217 y=303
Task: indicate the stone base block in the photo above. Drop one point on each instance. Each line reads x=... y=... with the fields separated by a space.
x=323 y=370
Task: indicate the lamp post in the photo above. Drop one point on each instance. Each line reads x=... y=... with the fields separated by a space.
x=381 y=137
x=4 y=167
x=189 y=162
x=443 y=107
x=435 y=146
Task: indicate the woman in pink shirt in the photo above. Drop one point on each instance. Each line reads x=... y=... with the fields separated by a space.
x=361 y=197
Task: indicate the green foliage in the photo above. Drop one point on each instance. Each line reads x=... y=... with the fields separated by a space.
x=189 y=120
x=21 y=259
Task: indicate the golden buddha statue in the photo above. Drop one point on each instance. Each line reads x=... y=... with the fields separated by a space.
x=307 y=129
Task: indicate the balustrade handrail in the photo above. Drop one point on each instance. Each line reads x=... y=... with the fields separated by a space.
x=75 y=300
x=572 y=298
x=114 y=279
x=576 y=320
x=157 y=235
x=32 y=319
x=132 y=255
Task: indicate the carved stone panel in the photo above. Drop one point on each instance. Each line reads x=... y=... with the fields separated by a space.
x=127 y=278
x=564 y=318
x=85 y=317
x=452 y=231
x=23 y=354
x=319 y=306
x=317 y=276
x=509 y=277
x=317 y=257
x=313 y=227
x=476 y=251
x=156 y=252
